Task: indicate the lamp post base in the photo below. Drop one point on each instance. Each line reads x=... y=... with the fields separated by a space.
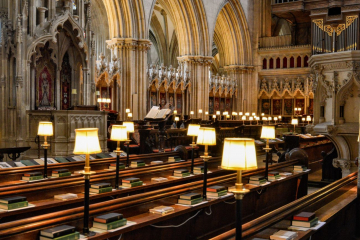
x=206 y=159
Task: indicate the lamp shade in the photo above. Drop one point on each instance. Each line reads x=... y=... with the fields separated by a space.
x=129 y=126
x=240 y=113
x=239 y=154
x=275 y=118
x=206 y=113
x=129 y=114
x=268 y=132
x=214 y=116
x=200 y=110
x=264 y=118
x=294 y=121
x=243 y=118
x=87 y=141
x=262 y=114
x=269 y=118
x=177 y=119
x=308 y=118
x=217 y=112
x=193 y=130
x=127 y=110
x=234 y=113
x=302 y=119
x=175 y=112
x=192 y=112
x=247 y=114
x=253 y=114
x=206 y=136
x=118 y=133
x=251 y=118
x=97 y=93
x=45 y=129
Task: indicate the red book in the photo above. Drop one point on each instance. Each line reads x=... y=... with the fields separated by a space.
x=304 y=216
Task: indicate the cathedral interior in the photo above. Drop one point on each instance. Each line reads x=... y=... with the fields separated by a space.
x=230 y=67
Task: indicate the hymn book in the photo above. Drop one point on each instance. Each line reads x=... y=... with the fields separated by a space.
x=156 y=113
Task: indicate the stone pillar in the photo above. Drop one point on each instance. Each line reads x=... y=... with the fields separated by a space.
x=198 y=68
x=133 y=74
x=344 y=164
x=42 y=11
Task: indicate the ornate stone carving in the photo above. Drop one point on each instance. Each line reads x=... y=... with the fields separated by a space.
x=344 y=164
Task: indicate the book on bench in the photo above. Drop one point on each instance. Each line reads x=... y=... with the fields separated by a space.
x=109 y=217
x=130 y=180
x=156 y=113
x=12 y=199
x=58 y=231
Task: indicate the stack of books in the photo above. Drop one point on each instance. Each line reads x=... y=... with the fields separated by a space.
x=305 y=219
x=158 y=179
x=113 y=166
x=31 y=176
x=156 y=162
x=272 y=176
x=299 y=168
x=14 y=202
x=60 y=232
x=66 y=196
x=61 y=173
x=190 y=199
x=257 y=180
x=109 y=221
x=100 y=188
x=216 y=191
x=132 y=182
x=174 y=159
x=198 y=169
x=284 y=235
x=285 y=174
x=163 y=210
x=183 y=172
x=137 y=163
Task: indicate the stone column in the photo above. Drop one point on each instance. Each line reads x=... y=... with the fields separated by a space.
x=198 y=68
x=344 y=164
x=42 y=11
x=133 y=74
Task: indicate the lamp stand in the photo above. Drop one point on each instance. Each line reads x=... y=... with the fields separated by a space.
x=267 y=149
x=127 y=149
x=117 y=151
x=206 y=159
x=193 y=145
x=87 y=174
x=45 y=146
x=239 y=192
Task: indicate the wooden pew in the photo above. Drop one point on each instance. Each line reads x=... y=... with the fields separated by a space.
x=135 y=208
x=335 y=204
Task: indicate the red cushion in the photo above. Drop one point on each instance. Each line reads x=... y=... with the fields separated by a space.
x=166 y=150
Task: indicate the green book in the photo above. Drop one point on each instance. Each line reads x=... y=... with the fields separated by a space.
x=11 y=206
x=32 y=178
x=181 y=174
x=71 y=236
x=190 y=202
x=28 y=162
x=216 y=194
x=61 y=160
x=101 y=190
x=110 y=225
x=133 y=184
x=103 y=155
x=63 y=174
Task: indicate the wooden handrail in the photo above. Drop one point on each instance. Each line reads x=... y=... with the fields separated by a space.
x=283 y=212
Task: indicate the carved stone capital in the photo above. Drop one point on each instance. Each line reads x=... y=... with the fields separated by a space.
x=344 y=164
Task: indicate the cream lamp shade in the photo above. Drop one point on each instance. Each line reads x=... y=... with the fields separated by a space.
x=127 y=110
x=228 y=116
x=192 y=112
x=239 y=154
x=206 y=136
x=254 y=114
x=99 y=100
x=303 y=119
x=240 y=113
x=200 y=110
x=176 y=119
x=262 y=114
x=299 y=109
x=234 y=113
x=214 y=116
x=87 y=141
x=269 y=118
x=217 y=112
x=45 y=129
x=279 y=117
x=268 y=132
x=118 y=133
x=175 y=112
x=129 y=114
x=247 y=114
x=225 y=113
x=206 y=113
x=251 y=118
x=295 y=109
x=308 y=118
x=129 y=126
x=193 y=130
x=73 y=91
x=275 y=118
x=294 y=121
x=264 y=118
x=108 y=100
x=243 y=118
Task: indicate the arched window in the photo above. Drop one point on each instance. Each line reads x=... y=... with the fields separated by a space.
x=298 y=62
x=285 y=62
x=278 y=63
x=292 y=62
x=306 y=59
x=271 y=63
x=264 y=63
